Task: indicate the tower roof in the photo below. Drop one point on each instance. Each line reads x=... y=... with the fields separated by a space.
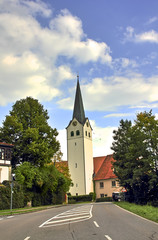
x=78 y=111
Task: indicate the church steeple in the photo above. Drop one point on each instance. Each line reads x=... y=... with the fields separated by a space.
x=78 y=111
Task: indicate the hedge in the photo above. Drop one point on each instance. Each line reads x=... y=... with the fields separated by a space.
x=104 y=199
x=80 y=198
x=5 y=196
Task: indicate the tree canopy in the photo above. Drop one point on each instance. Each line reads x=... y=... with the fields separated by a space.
x=27 y=128
x=136 y=153
x=35 y=145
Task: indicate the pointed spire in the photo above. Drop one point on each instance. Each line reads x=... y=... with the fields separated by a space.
x=78 y=112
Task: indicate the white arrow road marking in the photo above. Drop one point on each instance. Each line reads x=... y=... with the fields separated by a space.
x=74 y=215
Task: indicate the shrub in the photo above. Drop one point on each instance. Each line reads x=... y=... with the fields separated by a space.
x=5 y=196
x=80 y=198
x=104 y=199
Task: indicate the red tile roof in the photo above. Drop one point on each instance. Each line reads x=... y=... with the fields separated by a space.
x=6 y=144
x=103 y=167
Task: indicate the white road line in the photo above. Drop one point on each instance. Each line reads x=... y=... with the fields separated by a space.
x=66 y=220
x=96 y=224
x=1 y=219
x=74 y=215
x=109 y=238
x=10 y=217
x=27 y=238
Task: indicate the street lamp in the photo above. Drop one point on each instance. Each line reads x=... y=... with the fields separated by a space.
x=11 y=198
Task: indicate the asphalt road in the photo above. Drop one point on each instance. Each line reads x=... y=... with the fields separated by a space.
x=99 y=221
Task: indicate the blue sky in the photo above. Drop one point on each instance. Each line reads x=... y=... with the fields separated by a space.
x=112 y=45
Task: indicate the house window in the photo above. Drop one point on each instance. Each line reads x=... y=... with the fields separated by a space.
x=76 y=194
x=86 y=133
x=72 y=133
x=8 y=154
x=76 y=184
x=101 y=195
x=2 y=153
x=77 y=132
x=113 y=183
x=89 y=134
x=75 y=165
x=101 y=185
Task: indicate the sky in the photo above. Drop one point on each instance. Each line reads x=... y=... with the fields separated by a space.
x=112 y=45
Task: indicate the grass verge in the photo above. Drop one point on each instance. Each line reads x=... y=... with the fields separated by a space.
x=25 y=210
x=145 y=211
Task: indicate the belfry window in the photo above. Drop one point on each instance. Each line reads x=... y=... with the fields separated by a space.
x=72 y=133
x=77 y=132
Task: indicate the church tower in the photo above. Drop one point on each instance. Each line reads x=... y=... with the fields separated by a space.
x=79 y=148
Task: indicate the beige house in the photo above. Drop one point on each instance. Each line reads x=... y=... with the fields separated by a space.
x=105 y=181
x=5 y=161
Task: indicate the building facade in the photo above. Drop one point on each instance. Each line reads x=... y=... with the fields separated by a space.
x=5 y=161
x=105 y=181
x=80 y=149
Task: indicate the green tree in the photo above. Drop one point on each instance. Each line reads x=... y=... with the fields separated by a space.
x=136 y=151
x=27 y=128
x=43 y=185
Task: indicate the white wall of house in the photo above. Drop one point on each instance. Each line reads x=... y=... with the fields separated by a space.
x=5 y=173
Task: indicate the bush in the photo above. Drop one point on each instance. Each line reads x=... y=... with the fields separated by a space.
x=5 y=196
x=80 y=198
x=104 y=199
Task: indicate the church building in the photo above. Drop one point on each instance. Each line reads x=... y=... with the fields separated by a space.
x=79 y=148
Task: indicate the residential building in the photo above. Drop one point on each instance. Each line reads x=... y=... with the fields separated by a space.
x=105 y=181
x=5 y=161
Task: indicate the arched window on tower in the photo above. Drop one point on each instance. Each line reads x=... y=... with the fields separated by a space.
x=72 y=133
x=77 y=132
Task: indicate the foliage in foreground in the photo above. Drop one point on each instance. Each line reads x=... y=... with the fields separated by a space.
x=35 y=144
x=27 y=128
x=145 y=211
x=136 y=154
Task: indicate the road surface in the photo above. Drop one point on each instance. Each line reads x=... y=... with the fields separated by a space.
x=99 y=221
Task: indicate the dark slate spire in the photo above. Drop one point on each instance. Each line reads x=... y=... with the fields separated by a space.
x=78 y=112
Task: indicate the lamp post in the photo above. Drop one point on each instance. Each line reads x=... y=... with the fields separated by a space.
x=11 y=197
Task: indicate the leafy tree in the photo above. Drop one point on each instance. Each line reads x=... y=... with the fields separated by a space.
x=136 y=154
x=42 y=184
x=27 y=128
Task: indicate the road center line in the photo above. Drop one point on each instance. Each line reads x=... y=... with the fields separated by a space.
x=27 y=238
x=109 y=238
x=96 y=224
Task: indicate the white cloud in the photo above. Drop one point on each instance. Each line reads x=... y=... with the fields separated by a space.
x=118 y=115
x=109 y=93
x=152 y=20
x=30 y=53
x=102 y=139
x=63 y=142
x=149 y=36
